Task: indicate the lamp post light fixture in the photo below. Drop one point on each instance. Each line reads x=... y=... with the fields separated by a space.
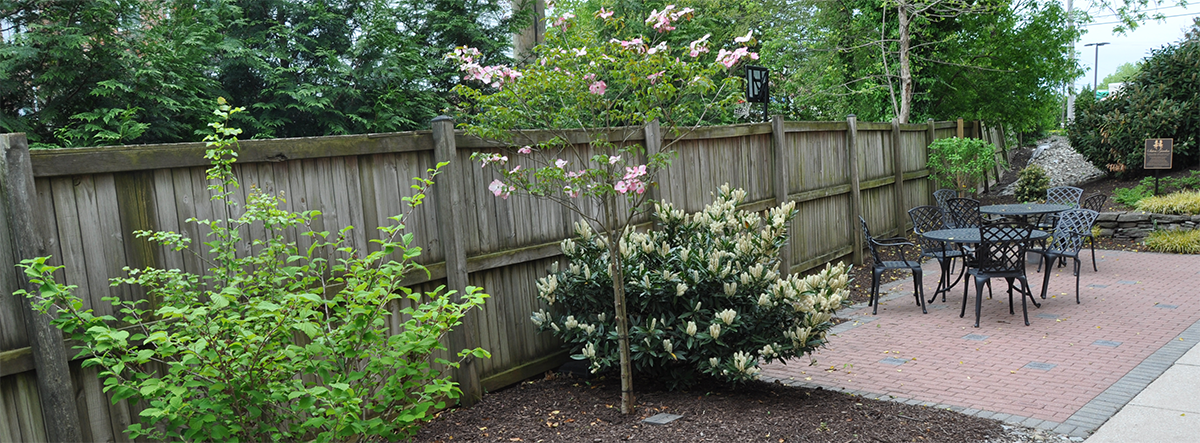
x=1096 y=64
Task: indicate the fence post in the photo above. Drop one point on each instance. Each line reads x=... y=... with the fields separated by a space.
x=653 y=143
x=780 y=150
x=959 y=133
x=55 y=388
x=448 y=191
x=898 y=162
x=856 y=209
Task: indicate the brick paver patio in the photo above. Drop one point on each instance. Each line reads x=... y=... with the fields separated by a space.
x=1071 y=369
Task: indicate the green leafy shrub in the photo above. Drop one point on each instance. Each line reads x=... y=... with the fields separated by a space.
x=280 y=345
x=1161 y=101
x=703 y=291
x=1131 y=196
x=1174 y=241
x=1183 y=203
x=1032 y=183
x=960 y=163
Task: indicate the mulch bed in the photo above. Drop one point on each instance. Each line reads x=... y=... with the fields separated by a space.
x=560 y=407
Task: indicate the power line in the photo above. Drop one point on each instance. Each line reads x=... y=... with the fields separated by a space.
x=1116 y=22
x=1160 y=8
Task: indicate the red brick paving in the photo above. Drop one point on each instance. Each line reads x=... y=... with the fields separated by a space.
x=1118 y=305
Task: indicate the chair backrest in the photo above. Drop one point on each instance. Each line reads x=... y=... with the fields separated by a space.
x=1095 y=202
x=925 y=219
x=1002 y=247
x=965 y=212
x=1072 y=224
x=1064 y=195
x=870 y=240
x=940 y=196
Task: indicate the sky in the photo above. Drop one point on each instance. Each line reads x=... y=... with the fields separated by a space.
x=1130 y=47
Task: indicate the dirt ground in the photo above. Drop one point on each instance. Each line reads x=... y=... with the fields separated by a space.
x=560 y=407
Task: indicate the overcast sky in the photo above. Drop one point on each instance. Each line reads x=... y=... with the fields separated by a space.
x=1131 y=47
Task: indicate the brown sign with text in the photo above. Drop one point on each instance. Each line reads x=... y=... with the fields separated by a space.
x=1158 y=153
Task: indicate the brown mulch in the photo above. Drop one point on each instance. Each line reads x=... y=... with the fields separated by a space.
x=560 y=407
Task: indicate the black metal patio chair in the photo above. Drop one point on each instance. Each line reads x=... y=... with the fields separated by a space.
x=893 y=247
x=964 y=212
x=1001 y=254
x=941 y=196
x=931 y=218
x=1094 y=202
x=1059 y=195
x=1067 y=241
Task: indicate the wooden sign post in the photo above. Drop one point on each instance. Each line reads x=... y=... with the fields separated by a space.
x=1157 y=157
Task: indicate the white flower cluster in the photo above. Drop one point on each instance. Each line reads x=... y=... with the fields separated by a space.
x=709 y=262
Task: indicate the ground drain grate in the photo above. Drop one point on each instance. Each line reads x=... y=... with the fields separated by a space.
x=893 y=361
x=1048 y=316
x=662 y=419
x=975 y=337
x=1127 y=282
x=1159 y=305
x=1039 y=366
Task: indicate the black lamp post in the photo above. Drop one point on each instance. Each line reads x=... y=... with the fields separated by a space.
x=1096 y=64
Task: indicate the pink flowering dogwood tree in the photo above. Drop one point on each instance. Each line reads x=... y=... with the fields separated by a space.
x=569 y=117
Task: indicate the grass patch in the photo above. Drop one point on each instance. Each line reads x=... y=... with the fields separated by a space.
x=1175 y=241
x=1179 y=203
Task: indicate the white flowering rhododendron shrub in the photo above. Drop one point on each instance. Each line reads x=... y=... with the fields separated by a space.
x=704 y=293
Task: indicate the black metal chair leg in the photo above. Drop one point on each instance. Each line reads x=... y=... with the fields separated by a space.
x=966 y=290
x=874 y=291
x=919 y=291
x=1045 y=280
x=978 y=301
x=1010 y=299
x=1024 y=308
x=1092 y=243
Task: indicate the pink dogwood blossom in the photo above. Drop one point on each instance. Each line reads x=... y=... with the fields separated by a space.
x=492 y=158
x=745 y=38
x=562 y=20
x=654 y=77
x=661 y=21
x=699 y=46
x=525 y=150
x=614 y=159
x=560 y=163
x=604 y=13
x=598 y=87
x=730 y=58
x=633 y=173
x=500 y=189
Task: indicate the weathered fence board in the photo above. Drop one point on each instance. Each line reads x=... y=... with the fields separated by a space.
x=94 y=198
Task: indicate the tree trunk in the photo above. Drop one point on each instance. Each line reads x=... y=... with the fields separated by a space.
x=906 y=81
x=618 y=278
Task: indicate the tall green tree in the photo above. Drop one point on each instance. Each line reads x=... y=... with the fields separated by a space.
x=106 y=71
x=1124 y=73
x=94 y=72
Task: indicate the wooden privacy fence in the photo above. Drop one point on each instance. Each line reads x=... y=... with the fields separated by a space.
x=82 y=205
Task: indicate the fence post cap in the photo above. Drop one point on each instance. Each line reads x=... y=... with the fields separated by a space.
x=442 y=118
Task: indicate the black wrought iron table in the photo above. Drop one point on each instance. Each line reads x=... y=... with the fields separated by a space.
x=968 y=236
x=1022 y=211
